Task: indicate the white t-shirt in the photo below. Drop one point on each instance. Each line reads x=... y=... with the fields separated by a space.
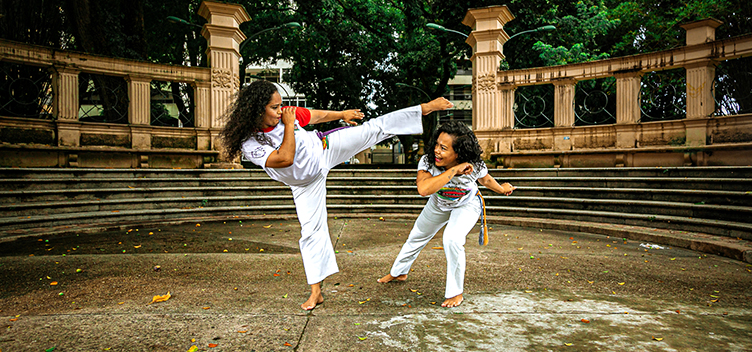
x=308 y=152
x=459 y=190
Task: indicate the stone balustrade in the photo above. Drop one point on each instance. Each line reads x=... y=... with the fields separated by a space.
x=701 y=137
x=66 y=141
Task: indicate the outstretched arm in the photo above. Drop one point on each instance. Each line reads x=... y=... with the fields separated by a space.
x=321 y=116
x=428 y=184
x=488 y=181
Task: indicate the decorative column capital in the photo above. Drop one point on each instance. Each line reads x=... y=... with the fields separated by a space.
x=488 y=35
x=700 y=32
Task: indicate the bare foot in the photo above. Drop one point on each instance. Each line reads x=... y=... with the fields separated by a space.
x=437 y=104
x=389 y=277
x=315 y=299
x=452 y=302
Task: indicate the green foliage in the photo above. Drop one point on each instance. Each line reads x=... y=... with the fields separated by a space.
x=578 y=33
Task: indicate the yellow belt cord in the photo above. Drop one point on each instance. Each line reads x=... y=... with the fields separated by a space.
x=483 y=238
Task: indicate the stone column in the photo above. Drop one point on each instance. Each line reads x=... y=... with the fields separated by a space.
x=628 y=97
x=139 y=111
x=65 y=106
x=223 y=36
x=202 y=116
x=627 y=108
x=487 y=40
x=700 y=81
x=564 y=103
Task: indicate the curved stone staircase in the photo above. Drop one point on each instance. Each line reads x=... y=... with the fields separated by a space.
x=708 y=209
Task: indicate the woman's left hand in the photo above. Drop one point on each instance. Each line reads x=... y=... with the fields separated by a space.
x=349 y=115
x=507 y=188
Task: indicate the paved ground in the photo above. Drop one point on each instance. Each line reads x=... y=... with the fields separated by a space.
x=237 y=286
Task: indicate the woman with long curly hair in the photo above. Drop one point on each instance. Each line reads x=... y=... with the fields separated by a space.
x=271 y=136
x=448 y=172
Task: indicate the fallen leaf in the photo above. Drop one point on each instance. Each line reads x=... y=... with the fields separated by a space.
x=567 y=344
x=362 y=338
x=205 y=307
x=139 y=246
x=658 y=338
x=212 y=345
x=285 y=296
x=267 y=226
x=288 y=344
x=193 y=348
x=54 y=283
x=243 y=331
x=160 y=298
x=437 y=247
x=622 y=283
x=585 y=321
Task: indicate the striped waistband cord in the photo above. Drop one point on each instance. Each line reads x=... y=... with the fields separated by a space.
x=483 y=238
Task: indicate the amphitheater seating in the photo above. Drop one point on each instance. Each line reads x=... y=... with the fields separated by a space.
x=703 y=208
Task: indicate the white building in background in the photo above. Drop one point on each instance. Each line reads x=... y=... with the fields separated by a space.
x=461 y=95
x=273 y=72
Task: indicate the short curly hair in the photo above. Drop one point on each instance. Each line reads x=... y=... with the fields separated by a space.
x=465 y=143
x=244 y=117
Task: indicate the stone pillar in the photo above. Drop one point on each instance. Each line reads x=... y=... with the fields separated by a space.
x=487 y=40
x=627 y=108
x=65 y=88
x=201 y=92
x=628 y=97
x=564 y=103
x=700 y=82
x=506 y=106
x=139 y=110
x=223 y=36
x=65 y=106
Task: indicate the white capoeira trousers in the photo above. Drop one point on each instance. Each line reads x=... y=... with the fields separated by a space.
x=310 y=200
x=459 y=222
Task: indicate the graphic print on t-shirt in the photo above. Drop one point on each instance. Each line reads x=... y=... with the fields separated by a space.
x=452 y=194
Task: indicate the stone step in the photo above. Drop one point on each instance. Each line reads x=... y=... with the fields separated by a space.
x=689 y=172
x=666 y=195
x=16 y=225
x=720 y=184
x=719 y=212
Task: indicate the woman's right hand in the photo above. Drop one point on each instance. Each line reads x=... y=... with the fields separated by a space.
x=464 y=169
x=288 y=115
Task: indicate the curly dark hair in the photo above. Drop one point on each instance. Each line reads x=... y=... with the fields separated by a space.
x=465 y=144
x=244 y=117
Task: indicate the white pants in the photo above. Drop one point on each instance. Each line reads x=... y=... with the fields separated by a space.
x=310 y=200
x=459 y=222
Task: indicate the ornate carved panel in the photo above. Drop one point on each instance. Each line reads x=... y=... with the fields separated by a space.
x=484 y=83
x=222 y=78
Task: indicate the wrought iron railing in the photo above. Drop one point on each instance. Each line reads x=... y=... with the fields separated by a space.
x=595 y=102
x=25 y=91
x=533 y=106
x=733 y=87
